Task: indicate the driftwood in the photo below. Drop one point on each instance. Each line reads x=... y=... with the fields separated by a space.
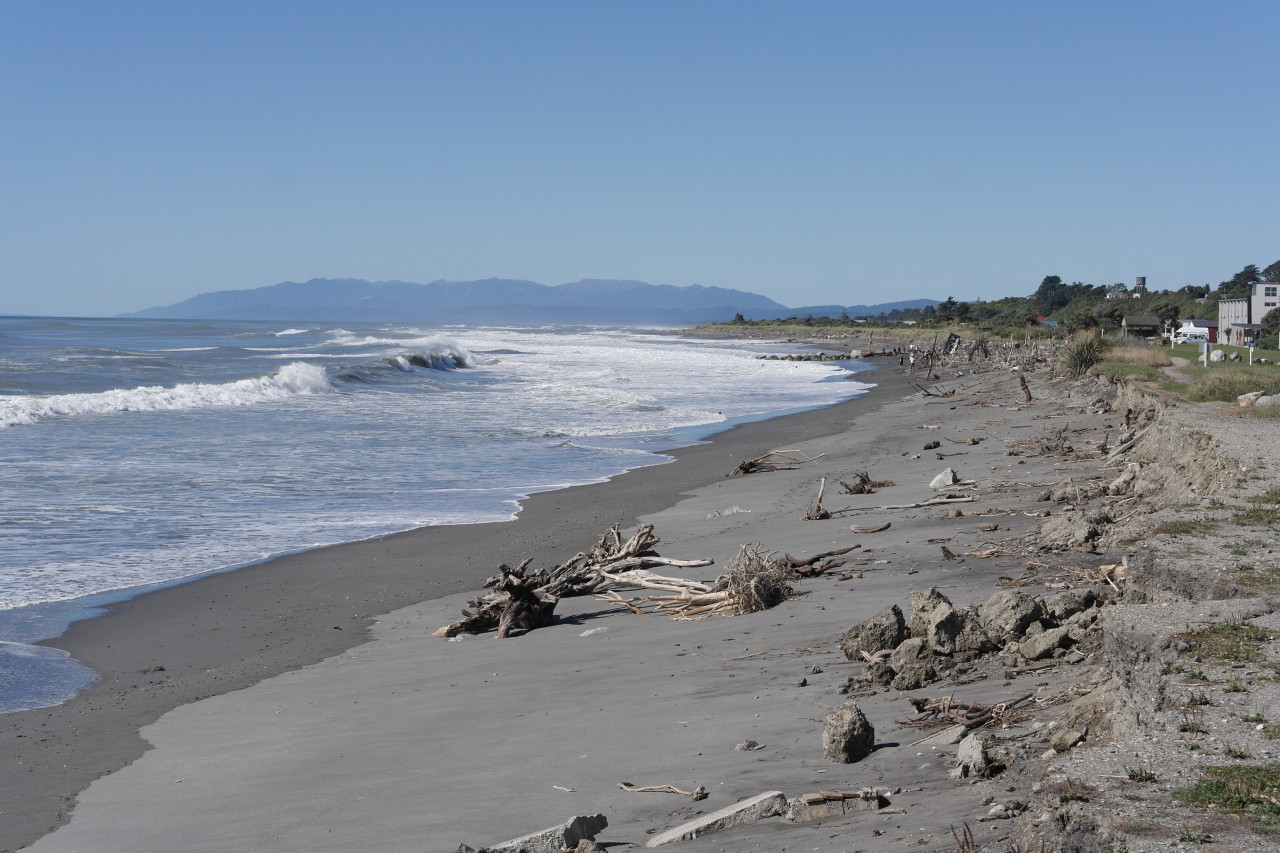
x=865 y=485
x=755 y=581
x=817 y=512
x=774 y=460
x=1022 y=383
x=871 y=528
x=817 y=564
x=521 y=600
x=698 y=793
x=972 y=715
x=927 y=393
x=944 y=499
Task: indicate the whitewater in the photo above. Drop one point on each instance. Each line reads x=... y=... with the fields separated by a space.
x=143 y=452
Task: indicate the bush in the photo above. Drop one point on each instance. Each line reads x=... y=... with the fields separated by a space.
x=1082 y=354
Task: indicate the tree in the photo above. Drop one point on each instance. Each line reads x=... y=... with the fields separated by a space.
x=1271 y=321
x=1272 y=273
x=1080 y=321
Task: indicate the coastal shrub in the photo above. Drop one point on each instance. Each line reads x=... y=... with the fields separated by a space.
x=1083 y=353
x=1225 y=386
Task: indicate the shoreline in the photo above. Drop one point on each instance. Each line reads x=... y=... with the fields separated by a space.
x=228 y=630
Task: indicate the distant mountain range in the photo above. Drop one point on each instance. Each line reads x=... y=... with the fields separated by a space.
x=498 y=301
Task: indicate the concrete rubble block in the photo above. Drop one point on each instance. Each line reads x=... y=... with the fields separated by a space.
x=886 y=630
x=1042 y=645
x=914 y=675
x=1007 y=614
x=945 y=480
x=766 y=805
x=848 y=735
x=826 y=804
x=557 y=838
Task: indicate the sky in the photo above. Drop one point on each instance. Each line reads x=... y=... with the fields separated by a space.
x=813 y=152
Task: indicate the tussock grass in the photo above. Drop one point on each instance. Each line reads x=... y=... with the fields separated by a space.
x=1225 y=386
x=1084 y=352
x=1139 y=355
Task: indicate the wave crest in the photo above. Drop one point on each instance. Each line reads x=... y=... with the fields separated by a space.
x=291 y=380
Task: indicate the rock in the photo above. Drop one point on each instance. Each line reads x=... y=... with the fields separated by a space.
x=914 y=676
x=768 y=804
x=878 y=673
x=972 y=760
x=849 y=735
x=557 y=838
x=945 y=480
x=1217 y=355
x=1008 y=613
x=1235 y=356
x=942 y=628
x=907 y=653
x=1063 y=605
x=1264 y=402
x=1042 y=645
x=923 y=603
x=886 y=630
x=1247 y=400
x=1064 y=740
x=1079 y=625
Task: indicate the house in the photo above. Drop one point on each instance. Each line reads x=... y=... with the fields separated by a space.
x=1241 y=319
x=1141 y=326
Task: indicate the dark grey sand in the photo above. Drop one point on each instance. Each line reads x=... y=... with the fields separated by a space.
x=412 y=743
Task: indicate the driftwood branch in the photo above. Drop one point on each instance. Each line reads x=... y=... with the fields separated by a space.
x=775 y=460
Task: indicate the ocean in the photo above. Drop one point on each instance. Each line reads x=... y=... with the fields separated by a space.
x=143 y=452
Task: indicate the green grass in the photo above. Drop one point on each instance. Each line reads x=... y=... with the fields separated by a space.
x=1189 y=527
x=1237 y=640
x=1248 y=790
x=1128 y=371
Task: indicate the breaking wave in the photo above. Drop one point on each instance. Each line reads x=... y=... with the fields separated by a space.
x=290 y=381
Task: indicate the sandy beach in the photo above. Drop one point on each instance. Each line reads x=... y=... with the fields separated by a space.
x=305 y=705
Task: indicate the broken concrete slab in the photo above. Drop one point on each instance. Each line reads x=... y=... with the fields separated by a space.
x=759 y=807
x=825 y=804
x=557 y=838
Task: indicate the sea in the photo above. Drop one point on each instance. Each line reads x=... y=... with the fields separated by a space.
x=138 y=453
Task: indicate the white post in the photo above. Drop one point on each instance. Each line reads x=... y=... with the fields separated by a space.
x=1250 y=353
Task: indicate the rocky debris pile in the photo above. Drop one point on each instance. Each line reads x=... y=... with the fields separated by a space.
x=943 y=641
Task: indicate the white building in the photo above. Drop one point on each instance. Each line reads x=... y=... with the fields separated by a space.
x=1240 y=320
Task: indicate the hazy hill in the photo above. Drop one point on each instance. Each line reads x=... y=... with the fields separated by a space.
x=494 y=300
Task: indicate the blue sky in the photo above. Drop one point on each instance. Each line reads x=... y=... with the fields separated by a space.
x=814 y=152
